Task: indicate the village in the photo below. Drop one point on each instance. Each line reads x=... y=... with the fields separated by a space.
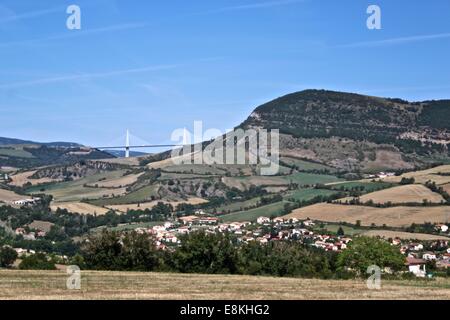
x=167 y=235
x=417 y=253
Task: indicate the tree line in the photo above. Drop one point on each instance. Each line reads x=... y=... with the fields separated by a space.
x=218 y=253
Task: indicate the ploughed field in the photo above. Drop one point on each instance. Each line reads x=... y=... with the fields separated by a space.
x=15 y=284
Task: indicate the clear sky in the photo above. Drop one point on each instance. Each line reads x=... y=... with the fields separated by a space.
x=154 y=66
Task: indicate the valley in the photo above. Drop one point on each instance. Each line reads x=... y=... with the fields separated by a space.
x=333 y=187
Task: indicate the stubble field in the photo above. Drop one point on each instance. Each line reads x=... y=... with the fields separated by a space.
x=15 y=284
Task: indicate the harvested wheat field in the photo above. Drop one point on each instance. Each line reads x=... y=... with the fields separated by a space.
x=393 y=216
x=22 y=178
x=171 y=161
x=151 y=204
x=446 y=188
x=117 y=182
x=413 y=193
x=133 y=285
x=79 y=207
x=131 y=161
x=10 y=196
x=403 y=235
x=424 y=175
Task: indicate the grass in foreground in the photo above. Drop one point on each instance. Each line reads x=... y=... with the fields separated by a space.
x=15 y=284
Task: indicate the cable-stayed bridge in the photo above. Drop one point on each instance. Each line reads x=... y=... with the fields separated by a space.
x=139 y=145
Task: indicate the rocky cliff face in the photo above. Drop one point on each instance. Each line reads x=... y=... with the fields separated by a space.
x=75 y=171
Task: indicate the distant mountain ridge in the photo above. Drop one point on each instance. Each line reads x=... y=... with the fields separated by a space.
x=26 y=153
x=13 y=141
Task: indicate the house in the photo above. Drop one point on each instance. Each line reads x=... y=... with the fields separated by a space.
x=278 y=220
x=415 y=246
x=262 y=240
x=157 y=229
x=262 y=220
x=443 y=264
x=41 y=234
x=416 y=266
x=429 y=256
x=283 y=234
x=308 y=223
x=188 y=219
x=383 y=175
x=30 y=236
x=346 y=240
x=20 y=231
x=248 y=239
x=23 y=252
x=183 y=230
x=24 y=202
x=224 y=226
x=442 y=227
x=171 y=238
x=208 y=220
x=234 y=226
x=341 y=245
x=168 y=225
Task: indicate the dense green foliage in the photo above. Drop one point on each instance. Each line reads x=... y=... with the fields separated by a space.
x=364 y=252
x=38 y=261
x=111 y=251
x=219 y=253
x=7 y=256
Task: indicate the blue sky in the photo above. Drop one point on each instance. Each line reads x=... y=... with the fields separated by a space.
x=154 y=66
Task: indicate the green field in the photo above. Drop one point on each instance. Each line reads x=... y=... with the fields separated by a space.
x=76 y=190
x=349 y=231
x=237 y=206
x=198 y=169
x=273 y=209
x=303 y=165
x=307 y=194
x=303 y=178
x=18 y=153
x=368 y=186
x=130 y=226
x=141 y=195
x=184 y=176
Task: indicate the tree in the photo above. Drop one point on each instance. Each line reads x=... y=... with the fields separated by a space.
x=7 y=257
x=364 y=252
x=202 y=252
x=37 y=261
x=283 y=259
x=130 y=251
x=340 y=231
